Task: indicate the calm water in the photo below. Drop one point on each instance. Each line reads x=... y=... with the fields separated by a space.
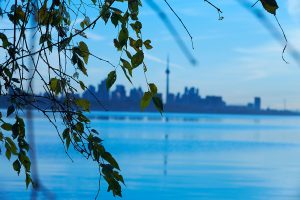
x=188 y=157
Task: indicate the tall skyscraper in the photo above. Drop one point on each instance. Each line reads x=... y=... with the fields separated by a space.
x=257 y=103
x=168 y=81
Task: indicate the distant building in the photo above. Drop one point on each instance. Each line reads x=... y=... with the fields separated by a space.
x=88 y=94
x=257 y=103
x=102 y=92
x=135 y=94
x=214 y=101
x=119 y=94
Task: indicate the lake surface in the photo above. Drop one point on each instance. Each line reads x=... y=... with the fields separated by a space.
x=185 y=157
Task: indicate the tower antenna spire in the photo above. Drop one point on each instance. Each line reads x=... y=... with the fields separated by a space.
x=168 y=80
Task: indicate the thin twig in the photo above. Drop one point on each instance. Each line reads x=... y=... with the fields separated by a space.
x=181 y=22
x=286 y=41
x=167 y=22
x=218 y=9
x=255 y=3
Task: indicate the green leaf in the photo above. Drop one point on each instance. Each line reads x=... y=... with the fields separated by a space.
x=138 y=43
x=79 y=127
x=66 y=133
x=55 y=85
x=20 y=14
x=153 y=88
x=108 y=157
x=147 y=44
x=64 y=43
x=123 y=36
x=115 y=19
x=125 y=72
x=270 y=5
x=7 y=72
x=81 y=66
x=5 y=42
x=111 y=179
x=20 y=122
x=128 y=54
x=95 y=131
x=8 y=154
x=68 y=141
x=6 y=126
x=146 y=100
x=84 y=51
x=118 y=177
x=83 y=87
x=11 y=145
x=83 y=118
x=137 y=59
x=66 y=136
x=76 y=137
x=10 y=110
x=28 y=180
x=17 y=166
x=105 y=15
x=97 y=139
x=133 y=6
x=25 y=161
x=83 y=103
x=18 y=129
x=126 y=64
x=158 y=104
x=137 y=26
x=117 y=45
x=45 y=38
x=111 y=79
x=132 y=43
x=85 y=22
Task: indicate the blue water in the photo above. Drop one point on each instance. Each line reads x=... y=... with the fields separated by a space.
x=185 y=157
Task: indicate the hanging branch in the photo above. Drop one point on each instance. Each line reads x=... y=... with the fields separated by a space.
x=271 y=6
x=181 y=23
x=218 y=9
x=285 y=38
x=173 y=31
x=255 y=3
x=261 y=16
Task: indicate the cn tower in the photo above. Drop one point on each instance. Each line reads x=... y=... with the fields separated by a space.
x=167 y=85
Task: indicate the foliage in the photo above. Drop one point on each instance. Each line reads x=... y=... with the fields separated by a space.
x=55 y=27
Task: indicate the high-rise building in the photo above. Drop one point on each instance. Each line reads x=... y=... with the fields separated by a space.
x=257 y=103
x=102 y=92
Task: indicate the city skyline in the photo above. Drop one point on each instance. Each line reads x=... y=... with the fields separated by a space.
x=237 y=57
x=190 y=101
x=189 y=95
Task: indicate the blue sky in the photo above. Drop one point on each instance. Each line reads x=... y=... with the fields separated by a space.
x=237 y=57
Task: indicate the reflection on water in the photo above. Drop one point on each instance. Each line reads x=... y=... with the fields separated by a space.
x=175 y=157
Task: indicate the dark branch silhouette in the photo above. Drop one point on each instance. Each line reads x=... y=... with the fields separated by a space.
x=167 y=22
x=262 y=18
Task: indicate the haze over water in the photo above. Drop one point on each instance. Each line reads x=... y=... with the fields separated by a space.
x=187 y=157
